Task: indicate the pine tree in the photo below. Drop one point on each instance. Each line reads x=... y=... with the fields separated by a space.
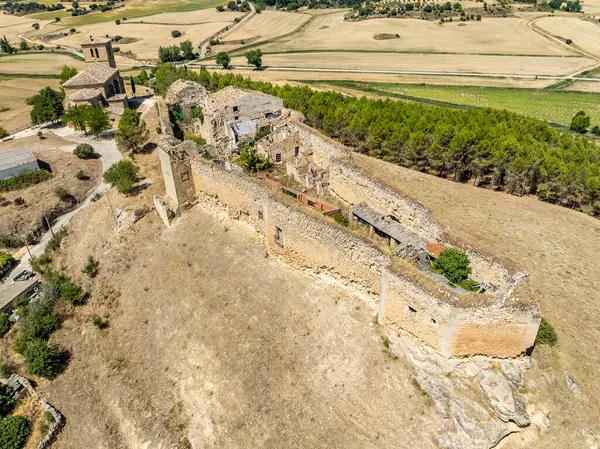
x=131 y=133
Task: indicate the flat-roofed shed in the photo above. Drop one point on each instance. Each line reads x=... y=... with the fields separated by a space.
x=17 y=161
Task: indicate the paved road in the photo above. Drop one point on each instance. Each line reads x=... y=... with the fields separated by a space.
x=247 y=17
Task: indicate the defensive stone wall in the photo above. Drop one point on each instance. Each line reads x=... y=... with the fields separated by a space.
x=446 y=321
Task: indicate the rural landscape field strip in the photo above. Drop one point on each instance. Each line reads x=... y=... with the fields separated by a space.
x=550 y=105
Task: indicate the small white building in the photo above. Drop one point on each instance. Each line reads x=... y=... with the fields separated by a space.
x=15 y=162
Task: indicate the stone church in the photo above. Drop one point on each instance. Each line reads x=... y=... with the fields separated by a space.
x=101 y=84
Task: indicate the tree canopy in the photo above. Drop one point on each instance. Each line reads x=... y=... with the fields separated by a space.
x=131 y=133
x=67 y=73
x=123 y=175
x=254 y=57
x=223 y=59
x=47 y=106
x=491 y=148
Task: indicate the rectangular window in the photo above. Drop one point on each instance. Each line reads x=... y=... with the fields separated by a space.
x=278 y=157
x=185 y=176
x=278 y=236
x=296 y=151
x=235 y=109
x=92 y=52
x=97 y=55
x=260 y=215
x=236 y=118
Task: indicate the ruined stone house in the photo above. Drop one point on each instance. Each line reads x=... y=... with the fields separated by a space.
x=101 y=83
x=502 y=322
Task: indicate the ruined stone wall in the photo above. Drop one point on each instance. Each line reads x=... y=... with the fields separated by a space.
x=306 y=242
x=501 y=332
x=405 y=306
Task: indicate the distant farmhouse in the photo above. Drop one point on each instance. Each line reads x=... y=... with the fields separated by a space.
x=101 y=84
x=15 y=162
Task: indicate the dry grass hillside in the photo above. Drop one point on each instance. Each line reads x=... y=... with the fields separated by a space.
x=559 y=248
x=210 y=341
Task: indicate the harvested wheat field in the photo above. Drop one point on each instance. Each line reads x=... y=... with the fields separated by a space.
x=559 y=248
x=148 y=36
x=267 y=357
x=13 y=93
x=490 y=36
x=585 y=86
x=513 y=65
x=38 y=63
x=282 y=76
x=591 y=7
x=12 y=27
x=585 y=35
x=267 y=25
x=190 y=18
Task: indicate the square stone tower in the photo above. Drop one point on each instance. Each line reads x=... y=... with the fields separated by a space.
x=99 y=49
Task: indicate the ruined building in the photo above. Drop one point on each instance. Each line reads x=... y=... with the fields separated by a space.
x=385 y=262
x=101 y=83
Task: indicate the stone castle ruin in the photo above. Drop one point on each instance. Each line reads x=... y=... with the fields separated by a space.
x=383 y=255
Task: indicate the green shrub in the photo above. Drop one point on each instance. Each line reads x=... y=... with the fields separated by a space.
x=453 y=264
x=40 y=264
x=6 y=262
x=198 y=139
x=67 y=289
x=62 y=193
x=44 y=360
x=84 y=151
x=4 y=323
x=469 y=285
x=14 y=431
x=122 y=175
x=262 y=132
x=56 y=239
x=82 y=176
x=340 y=219
x=6 y=369
x=7 y=403
x=175 y=33
x=91 y=267
x=38 y=322
x=546 y=334
x=100 y=322
x=251 y=161
x=24 y=180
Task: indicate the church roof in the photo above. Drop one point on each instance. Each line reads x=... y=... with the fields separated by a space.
x=97 y=40
x=84 y=94
x=96 y=74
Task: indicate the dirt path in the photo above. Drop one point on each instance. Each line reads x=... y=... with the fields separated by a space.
x=225 y=33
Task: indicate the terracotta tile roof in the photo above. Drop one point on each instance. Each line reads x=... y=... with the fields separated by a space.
x=84 y=94
x=96 y=40
x=435 y=248
x=230 y=94
x=117 y=97
x=96 y=74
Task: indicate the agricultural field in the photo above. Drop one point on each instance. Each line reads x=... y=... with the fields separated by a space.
x=263 y=26
x=585 y=86
x=551 y=105
x=38 y=63
x=509 y=36
x=135 y=9
x=190 y=18
x=585 y=35
x=13 y=93
x=591 y=7
x=12 y=27
x=521 y=65
x=147 y=37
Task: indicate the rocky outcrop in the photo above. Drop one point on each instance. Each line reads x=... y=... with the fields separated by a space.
x=478 y=396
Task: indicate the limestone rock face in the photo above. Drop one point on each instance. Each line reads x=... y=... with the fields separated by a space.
x=477 y=396
x=186 y=94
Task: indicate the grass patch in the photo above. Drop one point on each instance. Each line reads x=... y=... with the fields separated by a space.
x=550 y=105
x=142 y=9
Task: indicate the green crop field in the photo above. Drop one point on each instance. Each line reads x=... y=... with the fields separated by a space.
x=135 y=9
x=551 y=105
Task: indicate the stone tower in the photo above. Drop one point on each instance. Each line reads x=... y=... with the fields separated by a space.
x=99 y=49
